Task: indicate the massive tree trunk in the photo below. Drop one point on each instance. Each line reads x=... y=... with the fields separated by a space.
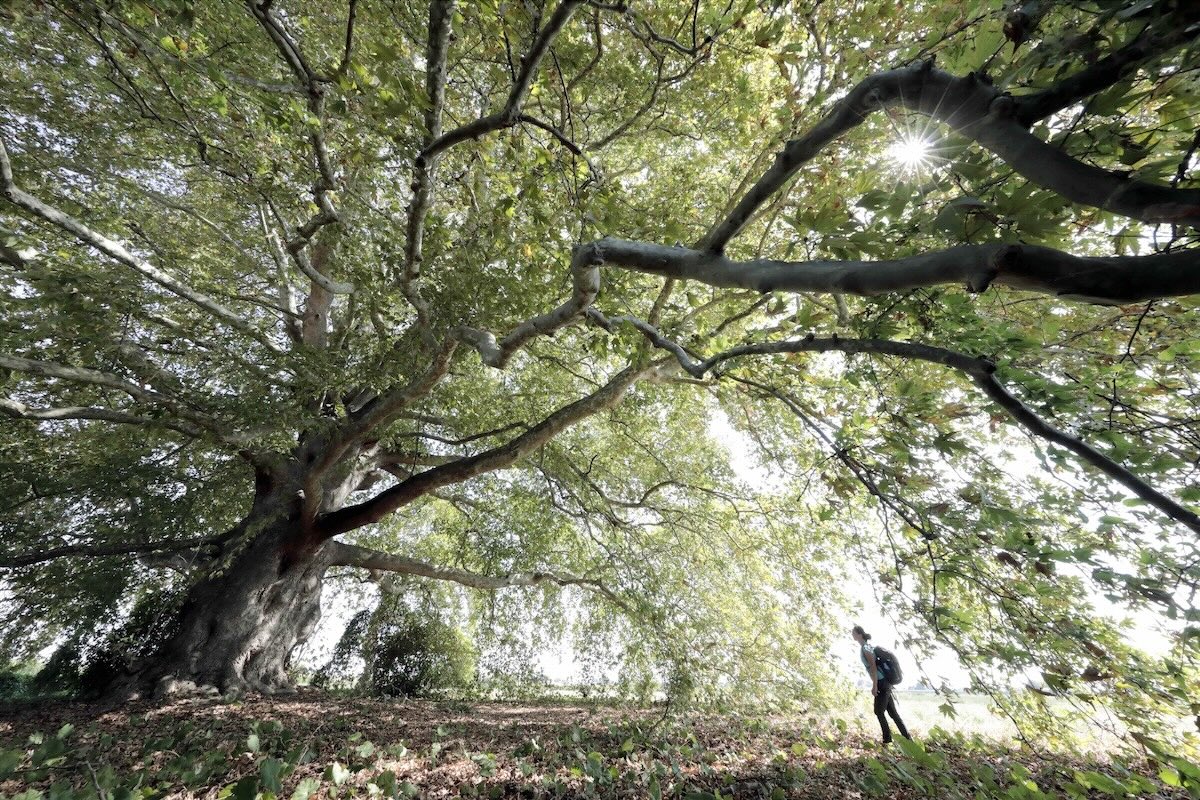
x=238 y=626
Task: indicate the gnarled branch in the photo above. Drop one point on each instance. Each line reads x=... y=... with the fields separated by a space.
x=980 y=370
x=1152 y=43
x=118 y=252
x=1120 y=279
x=384 y=408
x=976 y=109
x=440 y=14
x=350 y=555
x=18 y=410
x=91 y=377
x=508 y=116
x=326 y=214
x=95 y=550
x=585 y=283
x=495 y=458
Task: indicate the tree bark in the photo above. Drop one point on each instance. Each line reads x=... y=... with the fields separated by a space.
x=1111 y=280
x=237 y=628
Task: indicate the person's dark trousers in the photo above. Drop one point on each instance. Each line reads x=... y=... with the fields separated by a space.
x=885 y=703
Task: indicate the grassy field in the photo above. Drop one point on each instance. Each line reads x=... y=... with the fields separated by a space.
x=921 y=712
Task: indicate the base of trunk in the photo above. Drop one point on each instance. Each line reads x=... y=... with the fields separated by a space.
x=236 y=630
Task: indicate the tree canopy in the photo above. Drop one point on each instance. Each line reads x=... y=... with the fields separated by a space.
x=463 y=292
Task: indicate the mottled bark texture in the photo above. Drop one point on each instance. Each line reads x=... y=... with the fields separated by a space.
x=238 y=627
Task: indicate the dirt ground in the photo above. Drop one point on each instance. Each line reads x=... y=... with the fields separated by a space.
x=315 y=745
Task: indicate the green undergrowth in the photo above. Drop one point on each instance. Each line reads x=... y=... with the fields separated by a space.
x=337 y=749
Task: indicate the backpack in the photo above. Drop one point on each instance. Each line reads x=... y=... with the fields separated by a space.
x=886 y=661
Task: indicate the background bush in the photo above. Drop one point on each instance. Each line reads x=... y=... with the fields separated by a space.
x=422 y=657
x=16 y=681
x=398 y=651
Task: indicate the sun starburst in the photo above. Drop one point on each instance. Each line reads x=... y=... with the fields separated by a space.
x=911 y=152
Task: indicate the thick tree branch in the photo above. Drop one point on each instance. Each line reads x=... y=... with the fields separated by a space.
x=980 y=370
x=19 y=410
x=326 y=181
x=465 y=439
x=352 y=438
x=348 y=48
x=82 y=375
x=1153 y=43
x=440 y=14
x=386 y=407
x=137 y=360
x=283 y=286
x=261 y=11
x=118 y=252
x=585 y=277
x=93 y=550
x=394 y=458
x=49 y=369
x=508 y=116
x=585 y=282
x=1031 y=268
x=499 y=457
x=973 y=107
x=14 y=258
x=296 y=247
x=1038 y=426
x=350 y=555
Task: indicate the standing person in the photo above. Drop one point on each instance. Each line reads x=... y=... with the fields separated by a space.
x=885 y=703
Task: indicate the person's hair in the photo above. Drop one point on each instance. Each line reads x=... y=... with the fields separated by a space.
x=859 y=630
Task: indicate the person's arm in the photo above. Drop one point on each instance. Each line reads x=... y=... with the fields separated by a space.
x=871 y=668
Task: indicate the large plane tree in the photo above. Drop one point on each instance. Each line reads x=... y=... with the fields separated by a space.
x=457 y=291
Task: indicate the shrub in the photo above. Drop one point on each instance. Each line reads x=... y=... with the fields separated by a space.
x=16 y=682
x=60 y=674
x=340 y=671
x=420 y=656
x=85 y=666
x=394 y=650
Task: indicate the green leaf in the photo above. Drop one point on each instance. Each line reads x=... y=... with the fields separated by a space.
x=1170 y=777
x=1100 y=782
x=305 y=789
x=1191 y=770
x=9 y=761
x=910 y=748
x=269 y=772
x=386 y=781
x=246 y=788
x=337 y=773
